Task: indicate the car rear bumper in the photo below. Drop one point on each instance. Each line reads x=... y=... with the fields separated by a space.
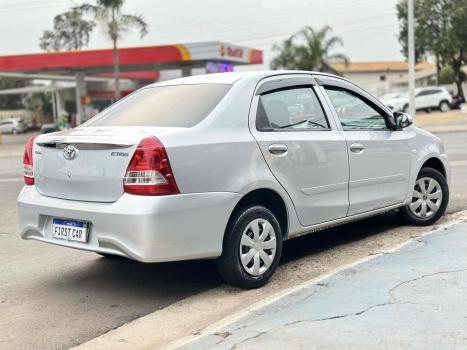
x=143 y=228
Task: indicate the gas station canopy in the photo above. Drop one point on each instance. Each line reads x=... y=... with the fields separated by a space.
x=137 y=64
x=134 y=59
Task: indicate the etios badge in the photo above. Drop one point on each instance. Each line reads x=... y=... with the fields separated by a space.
x=69 y=152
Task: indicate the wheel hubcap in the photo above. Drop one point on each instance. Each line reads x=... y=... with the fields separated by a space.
x=427 y=198
x=258 y=247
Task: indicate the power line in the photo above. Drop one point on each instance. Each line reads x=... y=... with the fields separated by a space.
x=283 y=17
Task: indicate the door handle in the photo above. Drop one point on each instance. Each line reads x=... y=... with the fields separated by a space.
x=356 y=148
x=277 y=148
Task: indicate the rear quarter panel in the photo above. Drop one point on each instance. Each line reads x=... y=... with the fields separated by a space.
x=221 y=155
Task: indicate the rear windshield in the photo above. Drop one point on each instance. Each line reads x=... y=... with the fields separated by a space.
x=175 y=106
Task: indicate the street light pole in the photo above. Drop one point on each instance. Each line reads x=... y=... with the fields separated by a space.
x=411 y=54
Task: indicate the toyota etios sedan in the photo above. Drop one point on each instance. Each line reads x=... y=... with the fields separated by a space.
x=228 y=166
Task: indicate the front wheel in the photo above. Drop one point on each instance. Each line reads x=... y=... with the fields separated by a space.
x=429 y=199
x=252 y=247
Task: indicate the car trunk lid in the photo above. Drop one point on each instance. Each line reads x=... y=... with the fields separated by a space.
x=87 y=164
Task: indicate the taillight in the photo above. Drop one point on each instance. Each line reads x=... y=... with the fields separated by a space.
x=27 y=163
x=149 y=172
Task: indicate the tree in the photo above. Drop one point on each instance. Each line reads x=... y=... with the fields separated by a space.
x=38 y=101
x=70 y=32
x=309 y=50
x=440 y=32
x=108 y=14
x=10 y=101
x=446 y=75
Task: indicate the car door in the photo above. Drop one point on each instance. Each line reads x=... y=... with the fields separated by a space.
x=423 y=99
x=302 y=147
x=434 y=98
x=379 y=153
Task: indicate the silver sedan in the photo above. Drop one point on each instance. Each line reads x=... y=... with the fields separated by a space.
x=227 y=166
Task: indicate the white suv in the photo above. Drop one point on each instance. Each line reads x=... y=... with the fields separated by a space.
x=13 y=126
x=425 y=99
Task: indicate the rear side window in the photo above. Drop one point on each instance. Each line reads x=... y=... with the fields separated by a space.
x=172 y=106
x=290 y=109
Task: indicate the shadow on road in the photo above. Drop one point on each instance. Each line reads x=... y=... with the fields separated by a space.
x=331 y=238
x=155 y=285
x=152 y=281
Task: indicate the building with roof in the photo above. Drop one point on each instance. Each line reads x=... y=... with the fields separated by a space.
x=380 y=77
x=81 y=82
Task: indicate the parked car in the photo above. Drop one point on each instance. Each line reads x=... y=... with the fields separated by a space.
x=426 y=99
x=218 y=166
x=48 y=128
x=13 y=126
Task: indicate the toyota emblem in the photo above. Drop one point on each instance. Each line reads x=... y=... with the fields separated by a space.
x=69 y=152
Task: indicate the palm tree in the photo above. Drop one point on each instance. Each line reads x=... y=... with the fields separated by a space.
x=115 y=23
x=309 y=50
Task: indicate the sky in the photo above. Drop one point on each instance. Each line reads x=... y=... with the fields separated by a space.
x=368 y=27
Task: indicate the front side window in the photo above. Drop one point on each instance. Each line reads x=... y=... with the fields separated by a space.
x=354 y=113
x=173 y=106
x=291 y=109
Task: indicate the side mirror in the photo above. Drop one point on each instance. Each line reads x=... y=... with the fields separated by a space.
x=403 y=120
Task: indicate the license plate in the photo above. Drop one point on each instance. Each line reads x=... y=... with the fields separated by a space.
x=70 y=230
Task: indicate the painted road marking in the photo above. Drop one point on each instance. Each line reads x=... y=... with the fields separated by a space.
x=458 y=163
x=12 y=179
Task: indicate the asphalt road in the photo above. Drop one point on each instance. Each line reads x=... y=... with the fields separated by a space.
x=51 y=297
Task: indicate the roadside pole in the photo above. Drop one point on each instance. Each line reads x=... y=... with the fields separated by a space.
x=411 y=54
x=80 y=92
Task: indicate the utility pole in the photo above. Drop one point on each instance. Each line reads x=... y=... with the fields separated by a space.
x=411 y=52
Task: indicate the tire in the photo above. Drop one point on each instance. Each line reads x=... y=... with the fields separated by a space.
x=413 y=213
x=15 y=132
x=405 y=109
x=111 y=256
x=444 y=106
x=428 y=110
x=259 y=263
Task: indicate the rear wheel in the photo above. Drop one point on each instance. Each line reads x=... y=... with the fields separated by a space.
x=429 y=199
x=405 y=109
x=444 y=106
x=15 y=132
x=252 y=247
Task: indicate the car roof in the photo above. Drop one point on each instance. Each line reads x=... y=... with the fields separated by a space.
x=232 y=77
